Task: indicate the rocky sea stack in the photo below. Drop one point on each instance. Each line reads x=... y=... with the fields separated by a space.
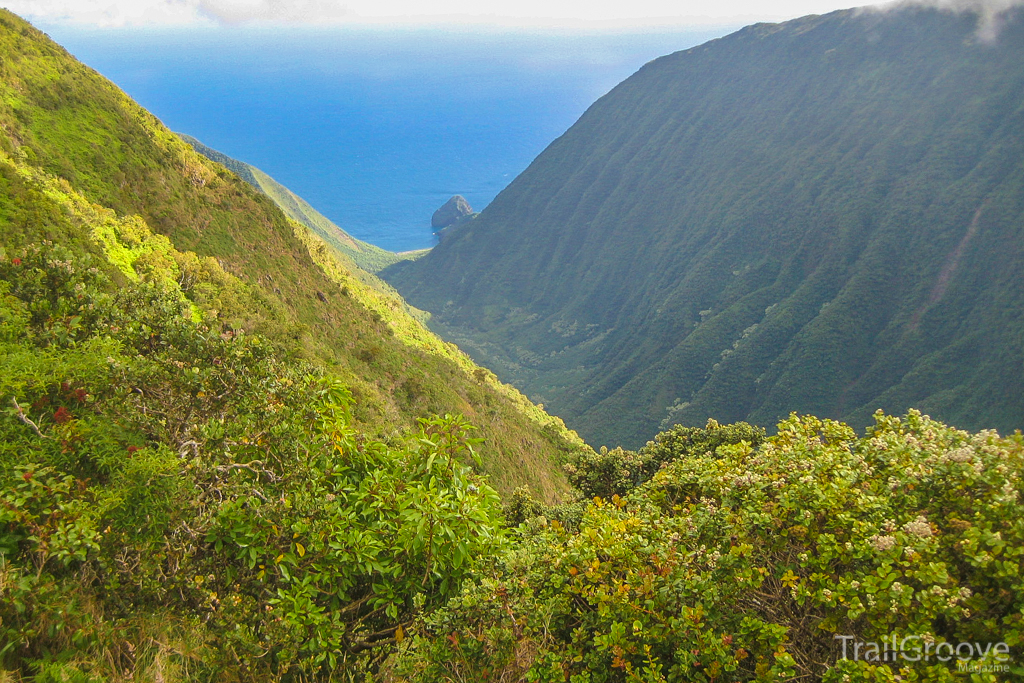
x=453 y=211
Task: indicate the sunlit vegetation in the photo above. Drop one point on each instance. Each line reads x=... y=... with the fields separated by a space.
x=77 y=153
x=365 y=256
x=751 y=560
x=189 y=502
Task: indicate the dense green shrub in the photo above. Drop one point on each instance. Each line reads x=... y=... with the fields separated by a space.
x=181 y=501
x=618 y=471
x=751 y=563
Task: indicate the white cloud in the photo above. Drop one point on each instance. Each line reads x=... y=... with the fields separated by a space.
x=291 y=11
x=991 y=12
x=566 y=13
x=508 y=12
x=108 y=12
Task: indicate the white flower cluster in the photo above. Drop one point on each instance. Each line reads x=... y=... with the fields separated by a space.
x=965 y=454
x=747 y=479
x=882 y=543
x=66 y=266
x=709 y=505
x=919 y=527
x=958 y=597
x=982 y=441
x=713 y=559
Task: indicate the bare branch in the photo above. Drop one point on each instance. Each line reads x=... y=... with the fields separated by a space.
x=185 y=446
x=24 y=418
x=379 y=639
x=248 y=466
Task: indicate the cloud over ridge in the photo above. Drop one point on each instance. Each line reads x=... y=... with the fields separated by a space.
x=605 y=13
x=991 y=13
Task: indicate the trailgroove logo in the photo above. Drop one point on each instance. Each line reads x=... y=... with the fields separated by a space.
x=970 y=657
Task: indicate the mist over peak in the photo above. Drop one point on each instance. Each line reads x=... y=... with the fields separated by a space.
x=992 y=14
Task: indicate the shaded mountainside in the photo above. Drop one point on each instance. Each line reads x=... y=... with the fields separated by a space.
x=824 y=216
x=85 y=167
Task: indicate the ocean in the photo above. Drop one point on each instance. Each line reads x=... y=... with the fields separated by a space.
x=375 y=127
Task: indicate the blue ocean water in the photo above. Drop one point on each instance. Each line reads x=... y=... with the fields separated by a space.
x=375 y=127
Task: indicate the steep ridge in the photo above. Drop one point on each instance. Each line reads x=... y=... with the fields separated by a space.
x=355 y=257
x=72 y=139
x=822 y=216
x=364 y=255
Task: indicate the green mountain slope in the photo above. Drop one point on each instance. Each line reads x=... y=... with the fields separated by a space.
x=366 y=256
x=192 y=494
x=83 y=166
x=360 y=259
x=825 y=216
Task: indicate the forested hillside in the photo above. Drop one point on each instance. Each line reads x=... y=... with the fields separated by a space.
x=825 y=216
x=85 y=167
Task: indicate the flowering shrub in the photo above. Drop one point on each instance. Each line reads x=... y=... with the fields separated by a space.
x=759 y=564
x=174 y=499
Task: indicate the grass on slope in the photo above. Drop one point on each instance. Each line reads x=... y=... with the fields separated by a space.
x=63 y=120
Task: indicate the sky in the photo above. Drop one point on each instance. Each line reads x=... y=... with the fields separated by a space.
x=585 y=14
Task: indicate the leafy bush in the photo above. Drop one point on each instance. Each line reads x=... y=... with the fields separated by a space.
x=618 y=471
x=751 y=564
x=173 y=498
